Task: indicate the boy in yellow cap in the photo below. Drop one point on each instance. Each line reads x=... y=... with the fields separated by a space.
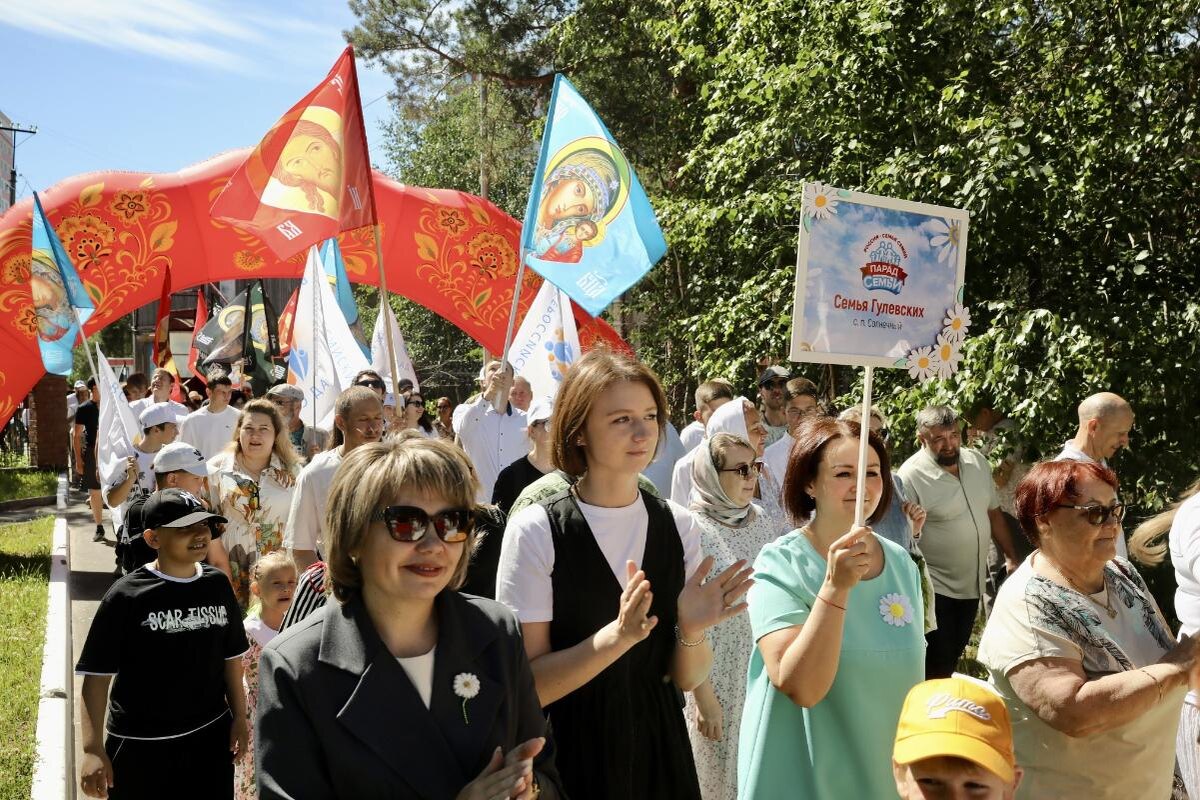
x=954 y=742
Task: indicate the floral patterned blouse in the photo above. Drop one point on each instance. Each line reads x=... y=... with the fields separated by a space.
x=257 y=512
x=258 y=634
x=1035 y=618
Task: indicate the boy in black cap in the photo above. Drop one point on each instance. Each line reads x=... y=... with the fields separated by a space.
x=176 y=617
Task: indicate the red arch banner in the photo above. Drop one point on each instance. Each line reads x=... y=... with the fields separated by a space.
x=452 y=252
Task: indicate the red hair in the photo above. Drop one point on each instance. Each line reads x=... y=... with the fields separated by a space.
x=812 y=437
x=1051 y=484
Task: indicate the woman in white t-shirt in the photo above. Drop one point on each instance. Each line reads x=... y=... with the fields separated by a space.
x=1181 y=524
x=1079 y=649
x=607 y=581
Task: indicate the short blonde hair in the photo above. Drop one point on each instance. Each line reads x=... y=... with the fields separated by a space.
x=367 y=480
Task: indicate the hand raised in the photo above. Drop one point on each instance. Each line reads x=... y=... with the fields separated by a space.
x=703 y=604
x=848 y=559
x=634 y=622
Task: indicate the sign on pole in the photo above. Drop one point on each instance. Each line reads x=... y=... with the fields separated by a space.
x=879 y=283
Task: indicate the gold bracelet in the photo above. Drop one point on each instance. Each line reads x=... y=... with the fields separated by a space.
x=679 y=638
x=1157 y=682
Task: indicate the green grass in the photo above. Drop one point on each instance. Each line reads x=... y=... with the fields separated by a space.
x=24 y=574
x=15 y=484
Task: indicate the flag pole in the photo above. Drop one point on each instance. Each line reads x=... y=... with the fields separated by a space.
x=864 y=432
x=312 y=367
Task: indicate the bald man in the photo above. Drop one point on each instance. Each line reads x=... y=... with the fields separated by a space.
x=1105 y=420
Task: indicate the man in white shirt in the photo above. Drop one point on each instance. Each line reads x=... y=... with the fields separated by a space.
x=358 y=416
x=210 y=429
x=492 y=431
x=709 y=396
x=1105 y=420
x=800 y=401
x=160 y=392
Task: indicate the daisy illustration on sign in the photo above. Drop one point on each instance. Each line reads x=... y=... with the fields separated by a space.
x=875 y=279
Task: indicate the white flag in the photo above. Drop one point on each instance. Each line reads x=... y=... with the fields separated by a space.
x=118 y=428
x=324 y=357
x=379 y=350
x=547 y=342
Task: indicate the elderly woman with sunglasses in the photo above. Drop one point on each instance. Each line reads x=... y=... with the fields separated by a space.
x=1081 y=652
x=402 y=687
x=732 y=529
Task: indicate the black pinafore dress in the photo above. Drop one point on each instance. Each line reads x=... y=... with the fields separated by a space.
x=623 y=734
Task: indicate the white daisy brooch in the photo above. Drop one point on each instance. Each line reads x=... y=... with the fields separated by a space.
x=466 y=686
x=896 y=610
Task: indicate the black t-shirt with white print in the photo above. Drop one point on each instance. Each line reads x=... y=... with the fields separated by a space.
x=166 y=640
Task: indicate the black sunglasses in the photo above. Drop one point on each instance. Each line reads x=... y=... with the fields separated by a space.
x=414 y=402
x=409 y=524
x=745 y=469
x=1098 y=515
x=370 y=384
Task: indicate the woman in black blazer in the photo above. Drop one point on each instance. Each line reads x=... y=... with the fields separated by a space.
x=403 y=688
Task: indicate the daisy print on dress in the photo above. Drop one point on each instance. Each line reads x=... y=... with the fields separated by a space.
x=466 y=686
x=896 y=609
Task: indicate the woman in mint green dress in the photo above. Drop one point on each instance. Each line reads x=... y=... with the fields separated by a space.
x=837 y=619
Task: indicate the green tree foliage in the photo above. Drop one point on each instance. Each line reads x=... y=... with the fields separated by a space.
x=1067 y=128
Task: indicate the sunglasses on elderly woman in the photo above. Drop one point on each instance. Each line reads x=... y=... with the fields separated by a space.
x=745 y=469
x=1098 y=515
x=409 y=524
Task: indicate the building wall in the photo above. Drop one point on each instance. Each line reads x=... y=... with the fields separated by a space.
x=48 y=428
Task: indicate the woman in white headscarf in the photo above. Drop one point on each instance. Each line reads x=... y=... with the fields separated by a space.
x=742 y=419
x=725 y=473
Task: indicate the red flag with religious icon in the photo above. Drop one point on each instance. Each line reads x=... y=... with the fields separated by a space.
x=162 y=328
x=198 y=323
x=287 y=318
x=310 y=176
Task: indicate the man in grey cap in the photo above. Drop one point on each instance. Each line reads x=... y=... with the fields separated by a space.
x=307 y=440
x=772 y=384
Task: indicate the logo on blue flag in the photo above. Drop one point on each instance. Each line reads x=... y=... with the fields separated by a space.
x=59 y=299
x=589 y=228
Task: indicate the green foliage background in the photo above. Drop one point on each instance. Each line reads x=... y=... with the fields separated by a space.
x=1068 y=129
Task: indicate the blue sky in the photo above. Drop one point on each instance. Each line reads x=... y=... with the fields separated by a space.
x=156 y=85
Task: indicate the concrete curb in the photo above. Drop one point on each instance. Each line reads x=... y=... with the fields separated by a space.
x=26 y=502
x=53 y=770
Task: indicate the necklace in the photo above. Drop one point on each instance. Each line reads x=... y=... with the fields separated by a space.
x=1106 y=605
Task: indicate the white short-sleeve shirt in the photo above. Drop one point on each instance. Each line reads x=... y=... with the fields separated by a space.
x=523 y=580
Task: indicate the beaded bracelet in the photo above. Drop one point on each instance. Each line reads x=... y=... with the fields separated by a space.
x=703 y=638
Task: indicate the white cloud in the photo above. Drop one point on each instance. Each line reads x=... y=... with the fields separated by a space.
x=221 y=35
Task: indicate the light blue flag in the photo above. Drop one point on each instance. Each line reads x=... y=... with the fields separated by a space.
x=589 y=228
x=58 y=295
x=335 y=270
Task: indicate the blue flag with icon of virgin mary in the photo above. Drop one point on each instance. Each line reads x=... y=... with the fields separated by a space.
x=59 y=299
x=589 y=228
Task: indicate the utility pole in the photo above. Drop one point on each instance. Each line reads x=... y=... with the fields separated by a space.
x=14 y=129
